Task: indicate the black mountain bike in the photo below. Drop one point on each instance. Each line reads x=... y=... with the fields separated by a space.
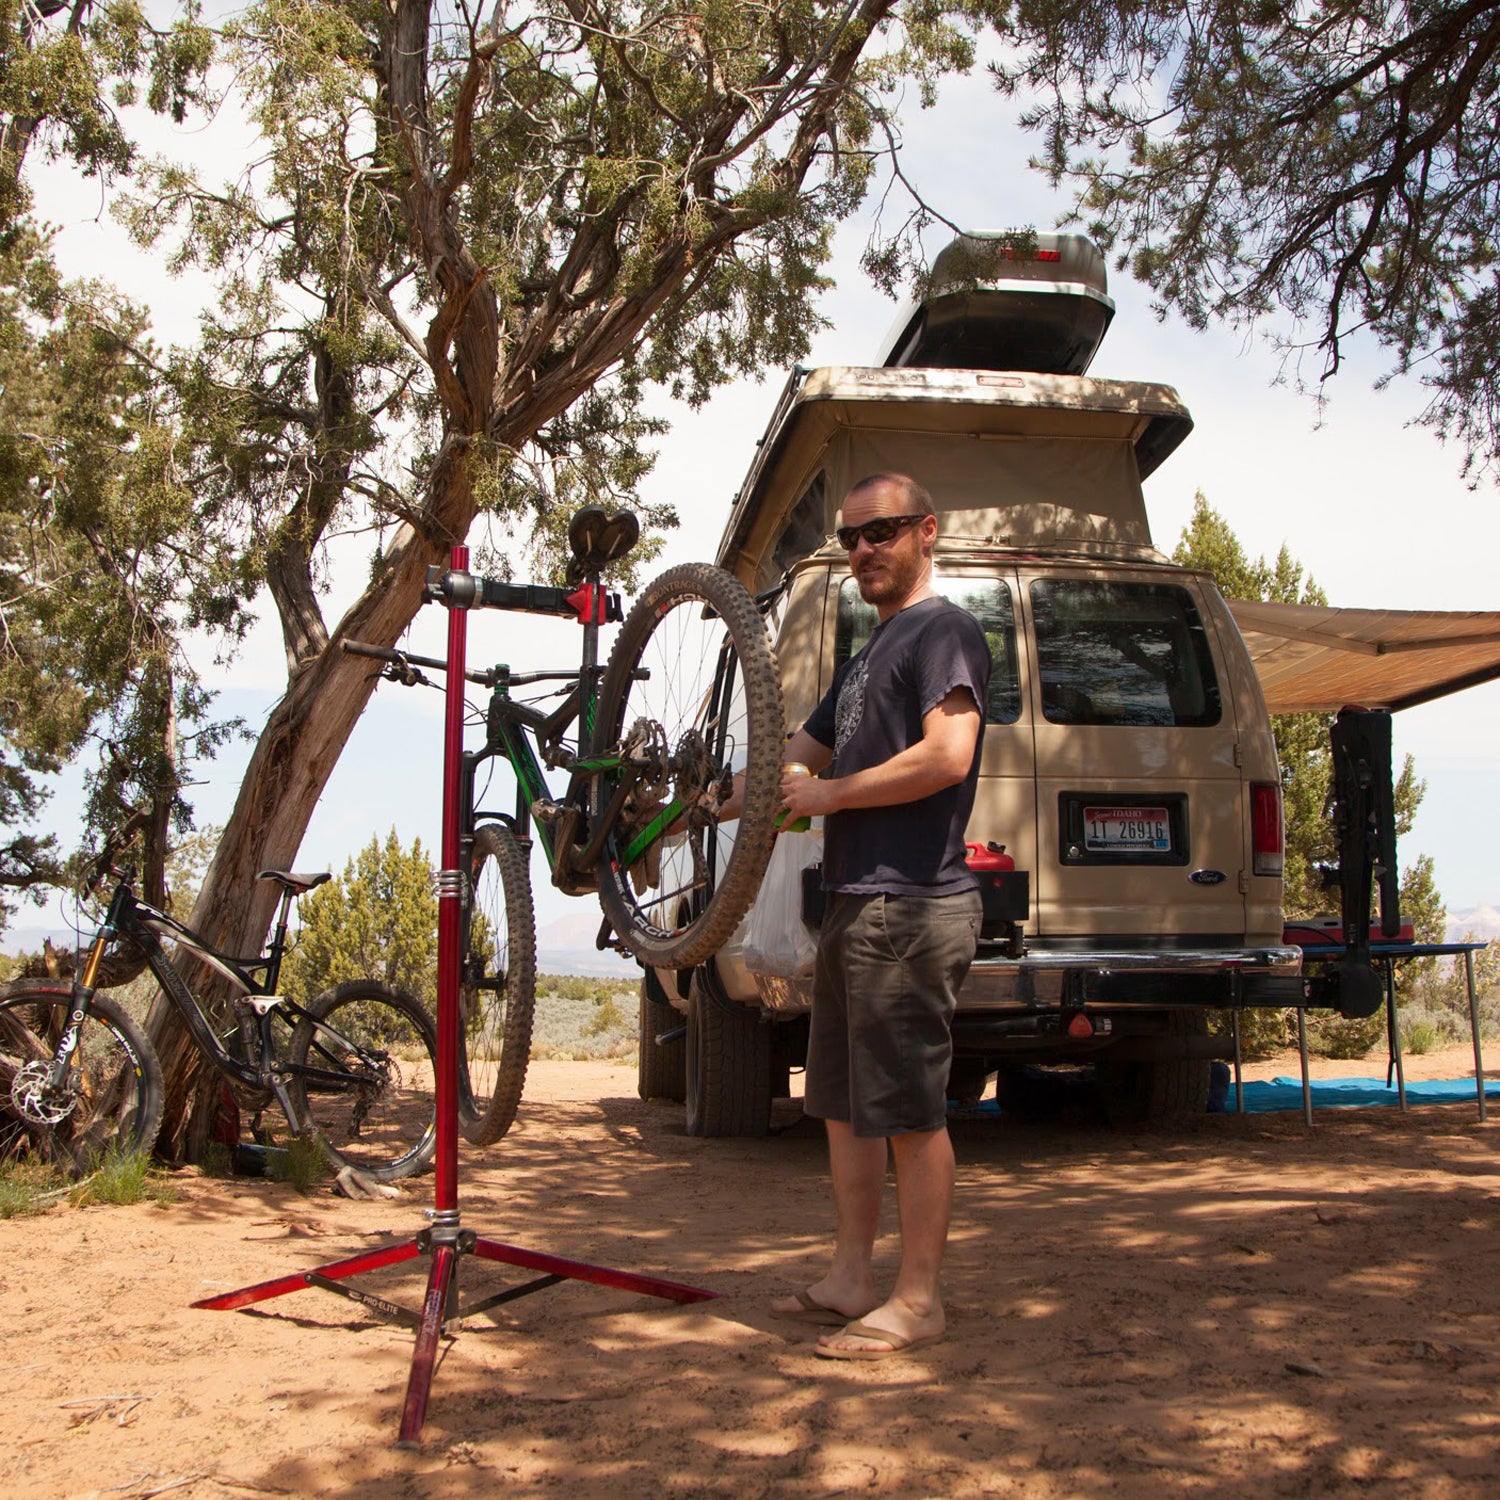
x=355 y=1067
x=650 y=746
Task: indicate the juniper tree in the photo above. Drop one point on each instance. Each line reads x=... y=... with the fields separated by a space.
x=472 y=244
x=1333 y=169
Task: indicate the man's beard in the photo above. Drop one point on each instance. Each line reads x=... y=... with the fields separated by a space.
x=894 y=581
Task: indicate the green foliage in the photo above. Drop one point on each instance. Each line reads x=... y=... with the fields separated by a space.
x=378 y=921
x=1419 y=1034
x=302 y=1163
x=1305 y=757
x=124 y=1177
x=29 y=1186
x=102 y=555
x=1335 y=167
x=583 y=1018
x=1263 y=1033
x=1333 y=1035
x=1442 y=991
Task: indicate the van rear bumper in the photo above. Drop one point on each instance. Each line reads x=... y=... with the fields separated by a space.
x=1054 y=979
x=1263 y=976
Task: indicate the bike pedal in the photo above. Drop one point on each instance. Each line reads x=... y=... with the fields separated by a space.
x=547 y=812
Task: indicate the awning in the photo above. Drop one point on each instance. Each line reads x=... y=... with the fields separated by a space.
x=1315 y=658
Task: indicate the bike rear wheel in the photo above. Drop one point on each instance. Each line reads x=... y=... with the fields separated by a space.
x=373 y=1102
x=497 y=994
x=111 y=1100
x=710 y=705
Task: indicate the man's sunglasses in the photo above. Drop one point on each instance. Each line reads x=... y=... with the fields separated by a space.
x=877 y=532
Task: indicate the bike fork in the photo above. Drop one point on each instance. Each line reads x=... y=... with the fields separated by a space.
x=78 y=1010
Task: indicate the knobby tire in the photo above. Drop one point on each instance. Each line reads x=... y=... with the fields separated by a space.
x=116 y=1093
x=496 y=1012
x=382 y=1120
x=689 y=905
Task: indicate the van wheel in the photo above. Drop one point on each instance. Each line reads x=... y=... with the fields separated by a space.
x=1142 y=1093
x=661 y=1067
x=728 y=1063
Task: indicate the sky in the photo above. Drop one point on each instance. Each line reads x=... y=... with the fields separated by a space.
x=1371 y=505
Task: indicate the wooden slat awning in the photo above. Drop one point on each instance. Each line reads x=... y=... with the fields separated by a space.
x=1312 y=658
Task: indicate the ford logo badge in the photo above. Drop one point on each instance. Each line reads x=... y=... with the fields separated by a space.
x=1207 y=877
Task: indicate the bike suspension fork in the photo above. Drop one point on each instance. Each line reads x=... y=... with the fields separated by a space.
x=82 y=997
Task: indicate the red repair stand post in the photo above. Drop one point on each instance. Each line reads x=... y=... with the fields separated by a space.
x=446 y=1240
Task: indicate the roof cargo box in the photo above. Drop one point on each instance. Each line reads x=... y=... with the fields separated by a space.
x=1007 y=301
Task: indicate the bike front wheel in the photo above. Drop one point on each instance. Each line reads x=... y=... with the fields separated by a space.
x=111 y=1098
x=497 y=994
x=365 y=1056
x=691 y=696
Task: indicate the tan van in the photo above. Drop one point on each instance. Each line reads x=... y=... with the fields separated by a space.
x=1129 y=772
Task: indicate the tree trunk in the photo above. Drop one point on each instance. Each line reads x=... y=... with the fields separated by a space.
x=293 y=759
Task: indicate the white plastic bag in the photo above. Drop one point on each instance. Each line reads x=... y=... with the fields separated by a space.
x=777 y=941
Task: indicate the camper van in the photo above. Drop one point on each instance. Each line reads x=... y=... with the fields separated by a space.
x=1127 y=827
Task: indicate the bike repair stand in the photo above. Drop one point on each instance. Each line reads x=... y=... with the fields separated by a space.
x=446 y=1240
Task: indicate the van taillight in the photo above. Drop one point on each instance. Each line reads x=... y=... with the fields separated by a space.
x=1266 y=842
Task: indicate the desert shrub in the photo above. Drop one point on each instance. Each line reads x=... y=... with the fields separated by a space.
x=302 y=1163
x=1419 y=1034
x=1332 y=1035
x=29 y=1187
x=584 y=1019
x=124 y=1177
x=1262 y=1032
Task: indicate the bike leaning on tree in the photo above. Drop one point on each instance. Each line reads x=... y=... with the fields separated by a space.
x=651 y=746
x=353 y=1069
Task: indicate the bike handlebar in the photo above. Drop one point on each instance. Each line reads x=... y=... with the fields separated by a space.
x=405 y=661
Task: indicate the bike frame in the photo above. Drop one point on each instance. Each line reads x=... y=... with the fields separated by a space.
x=143 y=925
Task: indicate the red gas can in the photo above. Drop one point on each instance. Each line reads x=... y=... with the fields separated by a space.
x=1005 y=890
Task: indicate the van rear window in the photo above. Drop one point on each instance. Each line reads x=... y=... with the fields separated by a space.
x=1122 y=653
x=988 y=600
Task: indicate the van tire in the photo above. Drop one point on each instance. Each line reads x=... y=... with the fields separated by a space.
x=1161 y=1091
x=728 y=1064
x=661 y=1067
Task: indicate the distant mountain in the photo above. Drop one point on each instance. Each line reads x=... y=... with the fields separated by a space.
x=1482 y=921
x=29 y=939
x=566 y=946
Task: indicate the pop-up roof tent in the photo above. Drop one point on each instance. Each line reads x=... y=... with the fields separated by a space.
x=982 y=394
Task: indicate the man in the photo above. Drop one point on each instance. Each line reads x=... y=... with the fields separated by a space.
x=901 y=727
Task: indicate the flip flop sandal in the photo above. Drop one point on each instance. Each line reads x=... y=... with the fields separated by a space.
x=896 y=1344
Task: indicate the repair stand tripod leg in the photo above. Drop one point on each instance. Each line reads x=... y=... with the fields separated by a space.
x=446 y=1241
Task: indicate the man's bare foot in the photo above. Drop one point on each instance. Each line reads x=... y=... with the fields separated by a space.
x=865 y=1337
x=824 y=1304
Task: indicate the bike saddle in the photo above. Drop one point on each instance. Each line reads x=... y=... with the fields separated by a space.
x=297 y=884
x=598 y=539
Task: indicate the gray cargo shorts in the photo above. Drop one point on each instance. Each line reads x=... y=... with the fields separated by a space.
x=884 y=992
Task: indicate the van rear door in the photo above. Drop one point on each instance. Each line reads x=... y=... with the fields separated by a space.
x=1140 y=819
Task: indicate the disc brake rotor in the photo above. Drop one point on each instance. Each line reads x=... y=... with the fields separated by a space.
x=36 y=1100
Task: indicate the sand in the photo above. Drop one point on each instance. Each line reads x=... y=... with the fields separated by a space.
x=1240 y=1307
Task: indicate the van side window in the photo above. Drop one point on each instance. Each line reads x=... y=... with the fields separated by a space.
x=806 y=526
x=988 y=600
x=1122 y=653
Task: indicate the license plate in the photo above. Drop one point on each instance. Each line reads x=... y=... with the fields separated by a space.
x=1127 y=830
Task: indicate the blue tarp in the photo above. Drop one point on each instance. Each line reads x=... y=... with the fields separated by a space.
x=1330 y=1093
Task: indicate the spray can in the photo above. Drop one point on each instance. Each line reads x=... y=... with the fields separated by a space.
x=796 y=825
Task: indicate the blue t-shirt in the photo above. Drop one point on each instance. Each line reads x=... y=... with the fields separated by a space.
x=873 y=710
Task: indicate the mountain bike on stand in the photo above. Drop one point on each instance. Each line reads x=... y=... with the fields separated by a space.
x=355 y=1068
x=650 y=746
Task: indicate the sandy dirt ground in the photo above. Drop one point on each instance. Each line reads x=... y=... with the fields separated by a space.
x=1242 y=1307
